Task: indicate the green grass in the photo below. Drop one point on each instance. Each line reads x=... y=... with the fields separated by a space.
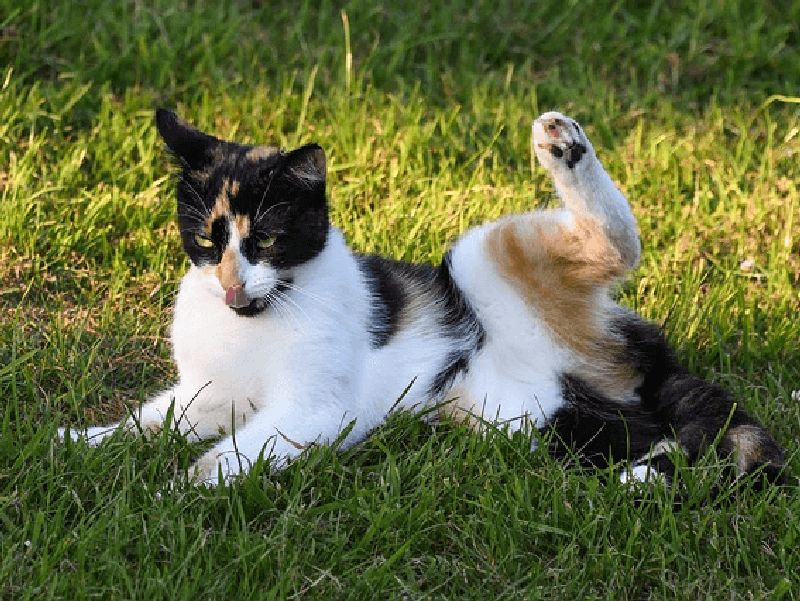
x=425 y=115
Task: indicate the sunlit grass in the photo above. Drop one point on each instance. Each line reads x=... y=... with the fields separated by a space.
x=426 y=125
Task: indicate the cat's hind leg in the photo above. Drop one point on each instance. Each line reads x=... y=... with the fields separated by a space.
x=562 y=147
x=540 y=285
x=564 y=262
x=701 y=414
x=691 y=415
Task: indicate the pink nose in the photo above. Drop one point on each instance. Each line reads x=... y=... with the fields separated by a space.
x=236 y=297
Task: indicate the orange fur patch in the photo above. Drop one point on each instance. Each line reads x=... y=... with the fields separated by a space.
x=242 y=225
x=261 y=152
x=201 y=175
x=564 y=272
x=222 y=205
x=748 y=447
x=227 y=271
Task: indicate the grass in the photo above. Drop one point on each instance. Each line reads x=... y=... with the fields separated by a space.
x=425 y=116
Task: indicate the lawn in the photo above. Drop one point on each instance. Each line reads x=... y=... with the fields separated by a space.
x=424 y=113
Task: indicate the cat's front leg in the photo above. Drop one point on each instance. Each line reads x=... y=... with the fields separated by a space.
x=150 y=417
x=279 y=435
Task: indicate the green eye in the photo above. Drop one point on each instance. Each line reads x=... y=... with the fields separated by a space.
x=266 y=243
x=203 y=241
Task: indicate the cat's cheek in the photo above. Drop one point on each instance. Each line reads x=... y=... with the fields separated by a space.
x=259 y=280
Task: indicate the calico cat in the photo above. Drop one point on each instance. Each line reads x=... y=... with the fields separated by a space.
x=284 y=337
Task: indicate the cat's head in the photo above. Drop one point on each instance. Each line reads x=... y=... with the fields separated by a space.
x=248 y=215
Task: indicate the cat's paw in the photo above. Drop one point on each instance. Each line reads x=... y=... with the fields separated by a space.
x=93 y=436
x=642 y=474
x=559 y=142
x=215 y=468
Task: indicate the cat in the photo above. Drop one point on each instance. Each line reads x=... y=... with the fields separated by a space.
x=283 y=337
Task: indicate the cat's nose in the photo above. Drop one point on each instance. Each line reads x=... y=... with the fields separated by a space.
x=236 y=297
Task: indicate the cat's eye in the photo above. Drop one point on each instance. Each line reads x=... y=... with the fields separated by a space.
x=203 y=241
x=265 y=243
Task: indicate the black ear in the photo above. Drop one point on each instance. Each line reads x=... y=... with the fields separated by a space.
x=189 y=145
x=307 y=164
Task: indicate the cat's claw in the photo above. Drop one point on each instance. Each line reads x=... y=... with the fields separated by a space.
x=559 y=140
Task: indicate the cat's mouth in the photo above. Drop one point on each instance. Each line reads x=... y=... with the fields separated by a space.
x=237 y=299
x=256 y=306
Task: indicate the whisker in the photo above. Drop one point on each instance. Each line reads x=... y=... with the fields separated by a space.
x=323 y=301
x=190 y=210
x=259 y=215
x=193 y=191
x=301 y=290
x=264 y=197
x=190 y=205
x=289 y=302
x=196 y=218
x=278 y=304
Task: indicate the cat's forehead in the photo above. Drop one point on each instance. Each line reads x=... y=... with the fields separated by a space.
x=236 y=175
x=232 y=187
x=229 y=161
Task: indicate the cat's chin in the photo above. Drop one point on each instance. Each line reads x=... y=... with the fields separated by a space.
x=256 y=307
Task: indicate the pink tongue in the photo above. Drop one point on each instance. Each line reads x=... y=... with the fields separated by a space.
x=236 y=296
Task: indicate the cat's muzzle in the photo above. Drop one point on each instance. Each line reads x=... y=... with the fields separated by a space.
x=236 y=297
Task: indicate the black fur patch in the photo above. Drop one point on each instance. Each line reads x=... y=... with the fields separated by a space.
x=280 y=193
x=459 y=322
x=390 y=283
x=574 y=154
x=673 y=405
x=597 y=429
x=389 y=295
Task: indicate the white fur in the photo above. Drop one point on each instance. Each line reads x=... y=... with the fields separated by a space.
x=515 y=375
x=588 y=189
x=292 y=377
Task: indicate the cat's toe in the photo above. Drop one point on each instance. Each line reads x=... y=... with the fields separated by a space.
x=559 y=141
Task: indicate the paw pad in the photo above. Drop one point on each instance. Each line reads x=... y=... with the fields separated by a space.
x=562 y=137
x=574 y=154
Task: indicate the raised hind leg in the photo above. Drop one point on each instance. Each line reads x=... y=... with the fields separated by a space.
x=540 y=285
x=584 y=185
x=564 y=262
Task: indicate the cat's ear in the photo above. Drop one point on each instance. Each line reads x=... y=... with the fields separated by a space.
x=307 y=164
x=189 y=145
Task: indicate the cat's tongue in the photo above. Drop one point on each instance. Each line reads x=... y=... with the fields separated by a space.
x=235 y=297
